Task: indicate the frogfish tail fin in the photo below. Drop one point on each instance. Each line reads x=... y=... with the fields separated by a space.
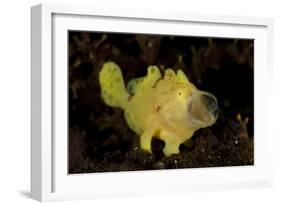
x=113 y=90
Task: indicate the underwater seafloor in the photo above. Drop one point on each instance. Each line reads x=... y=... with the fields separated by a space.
x=101 y=141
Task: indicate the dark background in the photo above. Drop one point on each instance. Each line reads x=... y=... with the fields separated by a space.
x=99 y=138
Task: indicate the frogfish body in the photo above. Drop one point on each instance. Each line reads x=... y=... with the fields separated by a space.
x=170 y=108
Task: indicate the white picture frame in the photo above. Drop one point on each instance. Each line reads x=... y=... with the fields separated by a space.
x=49 y=176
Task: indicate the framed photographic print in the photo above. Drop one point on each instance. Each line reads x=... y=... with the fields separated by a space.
x=136 y=102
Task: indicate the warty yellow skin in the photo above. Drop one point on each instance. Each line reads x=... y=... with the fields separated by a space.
x=170 y=108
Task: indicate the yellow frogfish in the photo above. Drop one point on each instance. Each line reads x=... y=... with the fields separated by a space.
x=170 y=108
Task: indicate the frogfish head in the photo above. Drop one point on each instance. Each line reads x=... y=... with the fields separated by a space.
x=184 y=106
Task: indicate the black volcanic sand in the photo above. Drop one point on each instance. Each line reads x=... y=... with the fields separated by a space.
x=99 y=138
